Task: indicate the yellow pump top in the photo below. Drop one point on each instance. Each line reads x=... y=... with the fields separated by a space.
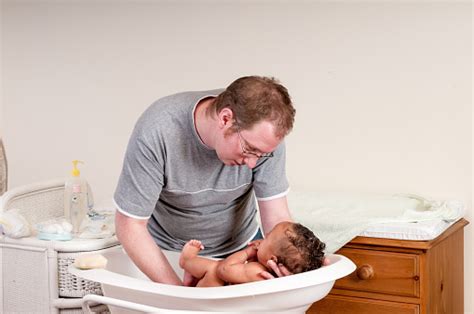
x=75 y=172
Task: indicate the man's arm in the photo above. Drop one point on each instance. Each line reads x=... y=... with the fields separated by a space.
x=142 y=249
x=273 y=212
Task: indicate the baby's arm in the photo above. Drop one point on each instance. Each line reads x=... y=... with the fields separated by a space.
x=235 y=269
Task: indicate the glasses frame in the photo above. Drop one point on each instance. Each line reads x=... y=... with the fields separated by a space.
x=248 y=153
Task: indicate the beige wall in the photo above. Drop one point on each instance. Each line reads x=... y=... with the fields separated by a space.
x=382 y=90
x=1 y=70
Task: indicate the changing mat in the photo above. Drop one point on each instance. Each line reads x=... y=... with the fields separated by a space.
x=338 y=218
x=416 y=231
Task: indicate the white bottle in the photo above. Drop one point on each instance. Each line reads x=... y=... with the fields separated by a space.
x=77 y=198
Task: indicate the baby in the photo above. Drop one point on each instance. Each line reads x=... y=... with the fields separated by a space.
x=290 y=244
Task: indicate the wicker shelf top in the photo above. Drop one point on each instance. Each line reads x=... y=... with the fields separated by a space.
x=75 y=245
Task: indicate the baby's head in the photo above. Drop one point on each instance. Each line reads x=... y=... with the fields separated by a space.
x=294 y=246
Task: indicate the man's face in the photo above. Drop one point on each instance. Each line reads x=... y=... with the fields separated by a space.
x=245 y=147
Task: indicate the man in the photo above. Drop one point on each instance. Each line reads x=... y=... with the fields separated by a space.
x=193 y=164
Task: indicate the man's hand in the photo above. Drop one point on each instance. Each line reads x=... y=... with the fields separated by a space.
x=281 y=271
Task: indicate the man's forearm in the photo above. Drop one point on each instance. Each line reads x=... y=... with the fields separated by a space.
x=273 y=212
x=142 y=249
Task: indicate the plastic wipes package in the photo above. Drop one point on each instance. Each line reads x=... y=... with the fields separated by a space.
x=14 y=225
x=57 y=229
x=97 y=225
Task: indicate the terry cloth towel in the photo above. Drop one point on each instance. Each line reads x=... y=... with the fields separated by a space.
x=336 y=219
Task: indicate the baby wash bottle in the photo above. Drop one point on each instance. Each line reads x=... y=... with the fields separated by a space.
x=77 y=198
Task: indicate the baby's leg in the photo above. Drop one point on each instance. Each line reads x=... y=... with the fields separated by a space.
x=211 y=279
x=199 y=267
x=191 y=262
x=189 y=251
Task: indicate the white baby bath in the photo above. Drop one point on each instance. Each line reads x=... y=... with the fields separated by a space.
x=122 y=280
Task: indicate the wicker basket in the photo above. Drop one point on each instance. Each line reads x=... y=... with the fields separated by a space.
x=102 y=309
x=70 y=285
x=34 y=273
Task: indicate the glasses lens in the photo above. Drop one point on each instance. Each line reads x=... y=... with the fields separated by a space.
x=266 y=155
x=248 y=153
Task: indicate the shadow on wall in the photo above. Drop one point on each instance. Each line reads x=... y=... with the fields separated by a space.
x=3 y=169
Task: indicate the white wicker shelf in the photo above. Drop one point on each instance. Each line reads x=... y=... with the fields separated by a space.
x=75 y=245
x=33 y=274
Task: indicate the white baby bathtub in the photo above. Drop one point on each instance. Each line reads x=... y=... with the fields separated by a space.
x=122 y=280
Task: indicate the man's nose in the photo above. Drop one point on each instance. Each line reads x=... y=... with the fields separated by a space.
x=251 y=162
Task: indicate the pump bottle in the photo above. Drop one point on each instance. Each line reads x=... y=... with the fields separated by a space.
x=77 y=198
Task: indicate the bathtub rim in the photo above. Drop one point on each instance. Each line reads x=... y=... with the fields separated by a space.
x=340 y=267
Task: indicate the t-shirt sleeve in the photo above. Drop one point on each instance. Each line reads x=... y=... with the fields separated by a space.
x=269 y=176
x=142 y=178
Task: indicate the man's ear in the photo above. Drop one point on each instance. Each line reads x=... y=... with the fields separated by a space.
x=225 y=117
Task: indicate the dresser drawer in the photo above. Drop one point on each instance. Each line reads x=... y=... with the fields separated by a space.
x=334 y=304
x=382 y=272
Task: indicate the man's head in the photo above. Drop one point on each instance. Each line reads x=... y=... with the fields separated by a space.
x=255 y=113
x=253 y=99
x=294 y=246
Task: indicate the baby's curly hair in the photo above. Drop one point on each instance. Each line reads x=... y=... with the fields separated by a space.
x=303 y=251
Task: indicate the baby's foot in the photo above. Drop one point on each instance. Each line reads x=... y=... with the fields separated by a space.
x=190 y=250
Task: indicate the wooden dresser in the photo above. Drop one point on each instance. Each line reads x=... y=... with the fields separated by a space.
x=401 y=277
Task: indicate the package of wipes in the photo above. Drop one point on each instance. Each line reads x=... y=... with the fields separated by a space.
x=58 y=229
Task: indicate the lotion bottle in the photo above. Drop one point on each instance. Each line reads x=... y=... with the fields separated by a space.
x=77 y=198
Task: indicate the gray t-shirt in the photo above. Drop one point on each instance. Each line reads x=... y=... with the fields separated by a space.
x=171 y=177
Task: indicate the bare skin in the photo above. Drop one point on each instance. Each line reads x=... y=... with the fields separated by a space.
x=240 y=267
x=199 y=267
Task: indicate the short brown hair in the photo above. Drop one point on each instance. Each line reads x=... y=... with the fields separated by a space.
x=303 y=251
x=253 y=99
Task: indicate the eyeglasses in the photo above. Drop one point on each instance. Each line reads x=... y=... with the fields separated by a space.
x=249 y=153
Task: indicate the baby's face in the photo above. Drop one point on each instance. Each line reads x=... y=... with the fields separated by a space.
x=268 y=247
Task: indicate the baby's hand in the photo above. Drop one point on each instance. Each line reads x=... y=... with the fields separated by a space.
x=251 y=251
x=255 y=243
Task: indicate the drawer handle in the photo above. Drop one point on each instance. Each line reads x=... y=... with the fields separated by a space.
x=365 y=272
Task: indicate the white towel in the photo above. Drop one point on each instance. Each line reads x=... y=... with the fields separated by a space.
x=14 y=225
x=336 y=219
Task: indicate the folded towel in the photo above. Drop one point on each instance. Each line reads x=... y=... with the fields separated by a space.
x=14 y=225
x=336 y=219
x=449 y=210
